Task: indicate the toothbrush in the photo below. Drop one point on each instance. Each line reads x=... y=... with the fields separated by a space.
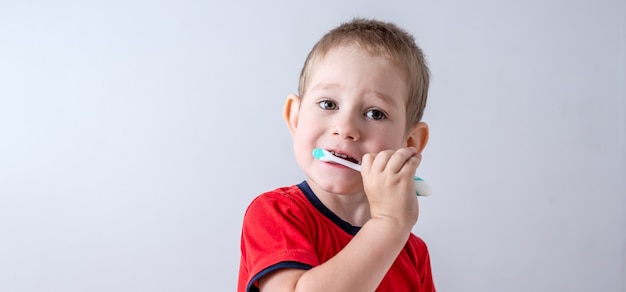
x=421 y=187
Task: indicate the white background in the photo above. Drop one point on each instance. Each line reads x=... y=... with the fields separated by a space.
x=133 y=134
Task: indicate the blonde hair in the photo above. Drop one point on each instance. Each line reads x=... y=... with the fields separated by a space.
x=383 y=39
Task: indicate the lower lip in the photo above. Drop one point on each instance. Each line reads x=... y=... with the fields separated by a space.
x=336 y=165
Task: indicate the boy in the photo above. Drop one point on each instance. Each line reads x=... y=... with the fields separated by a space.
x=361 y=95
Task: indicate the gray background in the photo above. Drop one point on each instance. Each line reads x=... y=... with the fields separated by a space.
x=133 y=134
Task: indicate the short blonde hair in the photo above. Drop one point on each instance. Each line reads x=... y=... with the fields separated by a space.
x=382 y=39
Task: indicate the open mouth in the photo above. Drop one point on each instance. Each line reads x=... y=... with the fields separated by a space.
x=344 y=156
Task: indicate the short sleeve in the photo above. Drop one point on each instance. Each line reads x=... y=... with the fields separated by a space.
x=275 y=235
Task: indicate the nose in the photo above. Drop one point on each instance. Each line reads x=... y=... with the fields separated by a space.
x=346 y=126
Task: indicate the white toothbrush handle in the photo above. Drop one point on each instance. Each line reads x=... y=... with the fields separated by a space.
x=422 y=189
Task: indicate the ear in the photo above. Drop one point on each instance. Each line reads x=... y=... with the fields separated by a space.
x=418 y=136
x=290 y=112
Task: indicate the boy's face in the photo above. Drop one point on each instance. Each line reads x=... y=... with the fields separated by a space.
x=354 y=104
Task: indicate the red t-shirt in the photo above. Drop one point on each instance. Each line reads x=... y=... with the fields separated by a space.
x=291 y=228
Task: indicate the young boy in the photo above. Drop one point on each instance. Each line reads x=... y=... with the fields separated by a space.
x=362 y=93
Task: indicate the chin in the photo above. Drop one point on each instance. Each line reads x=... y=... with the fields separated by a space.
x=336 y=185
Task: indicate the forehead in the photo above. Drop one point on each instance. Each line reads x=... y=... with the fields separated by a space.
x=320 y=54
x=352 y=67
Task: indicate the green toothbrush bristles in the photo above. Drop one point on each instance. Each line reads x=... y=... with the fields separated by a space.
x=318 y=153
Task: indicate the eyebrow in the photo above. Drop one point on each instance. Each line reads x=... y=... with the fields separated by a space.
x=325 y=86
x=328 y=86
x=382 y=96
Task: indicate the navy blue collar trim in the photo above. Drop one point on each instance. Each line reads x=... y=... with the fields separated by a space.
x=315 y=201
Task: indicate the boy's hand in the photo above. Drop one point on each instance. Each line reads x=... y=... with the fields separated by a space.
x=389 y=186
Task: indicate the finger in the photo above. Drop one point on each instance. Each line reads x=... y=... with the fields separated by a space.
x=400 y=158
x=381 y=160
x=410 y=166
x=366 y=163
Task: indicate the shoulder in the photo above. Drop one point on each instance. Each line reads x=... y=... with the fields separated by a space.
x=280 y=194
x=416 y=248
x=280 y=198
x=281 y=204
x=416 y=242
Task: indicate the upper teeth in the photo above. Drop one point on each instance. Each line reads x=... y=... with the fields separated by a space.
x=344 y=156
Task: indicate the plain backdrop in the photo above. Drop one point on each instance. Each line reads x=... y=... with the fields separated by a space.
x=133 y=135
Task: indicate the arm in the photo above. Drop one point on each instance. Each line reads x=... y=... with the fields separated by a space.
x=362 y=264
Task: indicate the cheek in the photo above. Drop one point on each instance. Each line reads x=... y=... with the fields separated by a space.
x=393 y=141
x=304 y=140
x=309 y=128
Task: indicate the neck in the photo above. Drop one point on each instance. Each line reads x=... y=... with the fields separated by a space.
x=352 y=208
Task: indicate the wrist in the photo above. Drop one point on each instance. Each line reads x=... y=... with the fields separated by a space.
x=391 y=227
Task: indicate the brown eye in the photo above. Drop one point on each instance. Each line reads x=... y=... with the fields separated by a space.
x=375 y=115
x=328 y=105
